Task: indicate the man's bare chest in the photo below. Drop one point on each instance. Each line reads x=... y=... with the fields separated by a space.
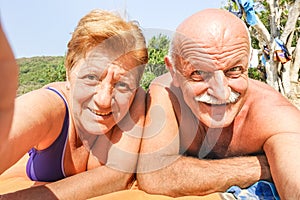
x=219 y=143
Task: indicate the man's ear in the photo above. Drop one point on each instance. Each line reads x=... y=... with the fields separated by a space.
x=68 y=85
x=172 y=70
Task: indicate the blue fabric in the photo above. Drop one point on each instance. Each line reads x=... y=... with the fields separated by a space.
x=249 y=10
x=263 y=60
x=257 y=191
x=281 y=52
x=281 y=45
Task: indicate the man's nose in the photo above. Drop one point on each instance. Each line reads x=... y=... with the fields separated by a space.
x=218 y=86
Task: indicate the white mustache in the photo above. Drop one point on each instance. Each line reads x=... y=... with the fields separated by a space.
x=206 y=98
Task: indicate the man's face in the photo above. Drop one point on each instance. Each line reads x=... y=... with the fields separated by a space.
x=213 y=79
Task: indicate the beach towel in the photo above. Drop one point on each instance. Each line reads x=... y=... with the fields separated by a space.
x=257 y=191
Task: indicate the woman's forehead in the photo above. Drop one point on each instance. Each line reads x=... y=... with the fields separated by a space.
x=103 y=58
x=101 y=65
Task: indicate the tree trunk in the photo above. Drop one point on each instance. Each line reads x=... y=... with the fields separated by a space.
x=286 y=37
x=294 y=77
x=279 y=75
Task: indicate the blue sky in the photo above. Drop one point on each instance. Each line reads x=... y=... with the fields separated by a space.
x=44 y=27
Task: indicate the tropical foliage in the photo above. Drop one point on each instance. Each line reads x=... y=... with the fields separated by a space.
x=278 y=20
x=36 y=72
x=158 y=47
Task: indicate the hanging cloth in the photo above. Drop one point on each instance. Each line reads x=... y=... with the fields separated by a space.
x=281 y=54
x=247 y=6
x=238 y=12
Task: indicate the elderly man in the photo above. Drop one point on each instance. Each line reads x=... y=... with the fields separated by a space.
x=208 y=125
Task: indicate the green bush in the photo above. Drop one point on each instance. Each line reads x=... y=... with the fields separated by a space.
x=257 y=74
x=146 y=80
x=36 y=72
x=157 y=50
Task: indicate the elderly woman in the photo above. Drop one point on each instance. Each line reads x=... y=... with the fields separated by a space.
x=92 y=122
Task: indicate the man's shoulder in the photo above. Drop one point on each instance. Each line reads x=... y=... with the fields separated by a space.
x=164 y=80
x=163 y=91
x=259 y=84
x=262 y=90
x=266 y=98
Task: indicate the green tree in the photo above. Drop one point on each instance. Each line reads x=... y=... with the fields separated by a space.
x=279 y=19
x=36 y=72
x=158 y=47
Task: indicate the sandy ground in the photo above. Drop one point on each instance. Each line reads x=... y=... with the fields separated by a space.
x=15 y=179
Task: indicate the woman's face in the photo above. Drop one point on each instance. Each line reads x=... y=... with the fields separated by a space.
x=102 y=89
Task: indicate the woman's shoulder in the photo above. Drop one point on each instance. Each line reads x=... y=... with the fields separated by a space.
x=60 y=86
x=44 y=97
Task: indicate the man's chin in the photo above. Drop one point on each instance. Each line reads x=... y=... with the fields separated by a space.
x=217 y=123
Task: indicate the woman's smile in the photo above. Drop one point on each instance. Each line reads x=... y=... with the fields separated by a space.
x=100 y=113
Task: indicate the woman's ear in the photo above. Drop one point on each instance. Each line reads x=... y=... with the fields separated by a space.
x=172 y=70
x=68 y=84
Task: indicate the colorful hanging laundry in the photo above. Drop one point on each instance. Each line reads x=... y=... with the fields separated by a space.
x=281 y=54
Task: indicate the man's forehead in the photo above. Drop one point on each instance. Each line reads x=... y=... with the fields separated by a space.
x=210 y=31
x=211 y=22
x=213 y=61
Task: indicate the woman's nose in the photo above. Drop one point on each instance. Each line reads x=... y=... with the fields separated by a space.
x=104 y=91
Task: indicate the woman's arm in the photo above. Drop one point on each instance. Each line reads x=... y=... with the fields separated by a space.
x=115 y=175
x=37 y=121
x=123 y=154
x=96 y=182
x=8 y=85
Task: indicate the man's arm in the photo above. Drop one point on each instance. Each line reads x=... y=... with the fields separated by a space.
x=162 y=170
x=283 y=153
x=191 y=176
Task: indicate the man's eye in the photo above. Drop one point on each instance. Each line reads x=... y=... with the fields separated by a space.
x=199 y=75
x=234 y=69
x=234 y=72
x=122 y=86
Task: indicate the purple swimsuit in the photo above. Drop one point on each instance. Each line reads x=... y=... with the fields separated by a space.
x=47 y=165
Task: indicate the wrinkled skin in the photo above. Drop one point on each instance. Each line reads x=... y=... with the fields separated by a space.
x=218 y=127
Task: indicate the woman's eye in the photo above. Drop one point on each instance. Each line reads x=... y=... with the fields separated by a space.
x=234 y=72
x=91 y=79
x=199 y=75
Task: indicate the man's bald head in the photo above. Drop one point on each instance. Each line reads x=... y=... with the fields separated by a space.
x=211 y=29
